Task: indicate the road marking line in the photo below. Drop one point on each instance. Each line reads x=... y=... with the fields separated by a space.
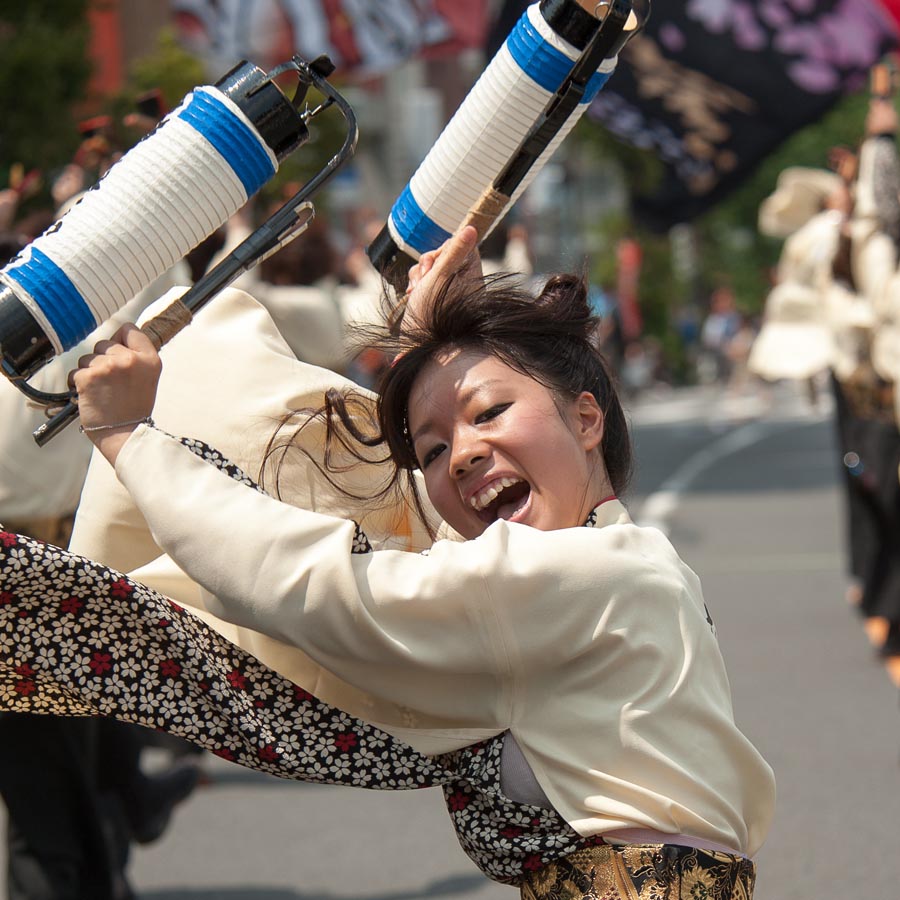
x=658 y=507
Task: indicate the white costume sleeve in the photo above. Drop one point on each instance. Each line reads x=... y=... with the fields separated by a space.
x=593 y=646
x=397 y=622
x=228 y=380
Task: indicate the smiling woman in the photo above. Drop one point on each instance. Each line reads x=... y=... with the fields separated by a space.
x=506 y=407
x=553 y=666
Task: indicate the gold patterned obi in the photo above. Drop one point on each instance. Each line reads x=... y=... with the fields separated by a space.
x=643 y=872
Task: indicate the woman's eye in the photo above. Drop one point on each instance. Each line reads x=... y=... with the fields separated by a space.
x=431 y=455
x=492 y=413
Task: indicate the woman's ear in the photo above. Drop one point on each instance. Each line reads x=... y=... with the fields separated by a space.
x=590 y=420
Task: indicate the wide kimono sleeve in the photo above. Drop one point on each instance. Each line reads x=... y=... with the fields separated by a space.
x=415 y=629
x=228 y=380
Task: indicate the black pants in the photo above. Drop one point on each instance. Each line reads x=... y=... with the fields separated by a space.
x=65 y=836
x=870 y=450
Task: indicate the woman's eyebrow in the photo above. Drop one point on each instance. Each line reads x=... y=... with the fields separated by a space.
x=466 y=397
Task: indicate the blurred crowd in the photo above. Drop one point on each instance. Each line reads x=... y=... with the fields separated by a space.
x=834 y=314
x=78 y=792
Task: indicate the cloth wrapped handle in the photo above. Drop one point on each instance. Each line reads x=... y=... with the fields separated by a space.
x=165 y=325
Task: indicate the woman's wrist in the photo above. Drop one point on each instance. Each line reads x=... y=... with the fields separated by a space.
x=110 y=439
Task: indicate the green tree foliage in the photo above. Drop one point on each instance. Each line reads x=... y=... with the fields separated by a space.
x=44 y=71
x=170 y=69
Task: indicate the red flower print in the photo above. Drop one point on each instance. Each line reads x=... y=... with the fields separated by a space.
x=71 y=605
x=163 y=623
x=25 y=687
x=259 y=704
x=6 y=598
x=25 y=670
x=100 y=662
x=301 y=694
x=175 y=606
x=345 y=741
x=224 y=753
x=203 y=685
x=268 y=753
x=8 y=539
x=236 y=680
x=459 y=801
x=168 y=668
x=533 y=863
x=511 y=831
x=121 y=589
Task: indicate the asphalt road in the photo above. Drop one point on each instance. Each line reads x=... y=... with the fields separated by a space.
x=750 y=499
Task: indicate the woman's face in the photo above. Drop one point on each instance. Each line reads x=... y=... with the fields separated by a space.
x=493 y=444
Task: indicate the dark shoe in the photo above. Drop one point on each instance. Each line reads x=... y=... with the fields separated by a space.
x=151 y=804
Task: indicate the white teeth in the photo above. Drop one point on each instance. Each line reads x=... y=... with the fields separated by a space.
x=480 y=501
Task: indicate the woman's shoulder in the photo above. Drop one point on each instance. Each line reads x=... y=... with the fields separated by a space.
x=619 y=549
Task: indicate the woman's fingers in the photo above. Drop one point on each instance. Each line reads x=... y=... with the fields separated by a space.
x=450 y=257
x=454 y=252
x=117 y=382
x=421 y=269
x=457 y=254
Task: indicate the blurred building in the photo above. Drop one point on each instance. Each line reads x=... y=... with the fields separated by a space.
x=401 y=111
x=122 y=30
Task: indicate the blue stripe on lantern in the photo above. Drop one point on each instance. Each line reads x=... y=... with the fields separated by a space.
x=59 y=300
x=239 y=146
x=414 y=226
x=543 y=63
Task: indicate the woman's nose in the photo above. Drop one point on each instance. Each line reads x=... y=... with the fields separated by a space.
x=466 y=454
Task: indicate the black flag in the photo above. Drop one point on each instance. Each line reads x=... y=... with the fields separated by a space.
x=713 y=86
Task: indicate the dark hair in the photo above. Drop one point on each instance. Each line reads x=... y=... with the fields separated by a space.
x=11 y=245
x=550 y=338
x=302 y=262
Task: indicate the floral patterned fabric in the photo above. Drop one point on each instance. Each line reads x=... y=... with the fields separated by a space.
x=78 y=638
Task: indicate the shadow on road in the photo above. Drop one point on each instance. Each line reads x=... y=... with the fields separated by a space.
x=445 y=887
x=791 y=456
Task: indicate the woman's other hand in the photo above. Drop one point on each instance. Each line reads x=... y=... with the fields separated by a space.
x=116 y=387
x=458 y=253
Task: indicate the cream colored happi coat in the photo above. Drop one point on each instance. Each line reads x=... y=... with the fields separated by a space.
x=592 y=646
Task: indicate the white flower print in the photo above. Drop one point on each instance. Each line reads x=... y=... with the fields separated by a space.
x=16 y=558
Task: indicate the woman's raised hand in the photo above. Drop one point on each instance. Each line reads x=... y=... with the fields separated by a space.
x=116 y=387
x=458 y=253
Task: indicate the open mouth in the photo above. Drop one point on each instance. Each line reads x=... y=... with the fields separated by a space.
x=503 y=500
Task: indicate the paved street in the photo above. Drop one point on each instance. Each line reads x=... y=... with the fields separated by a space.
x=747 y=491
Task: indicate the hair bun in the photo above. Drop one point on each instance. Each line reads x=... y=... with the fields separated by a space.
x=565 y=298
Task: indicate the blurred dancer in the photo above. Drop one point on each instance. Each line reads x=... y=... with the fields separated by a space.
x=871 y=391
x=811 y=320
